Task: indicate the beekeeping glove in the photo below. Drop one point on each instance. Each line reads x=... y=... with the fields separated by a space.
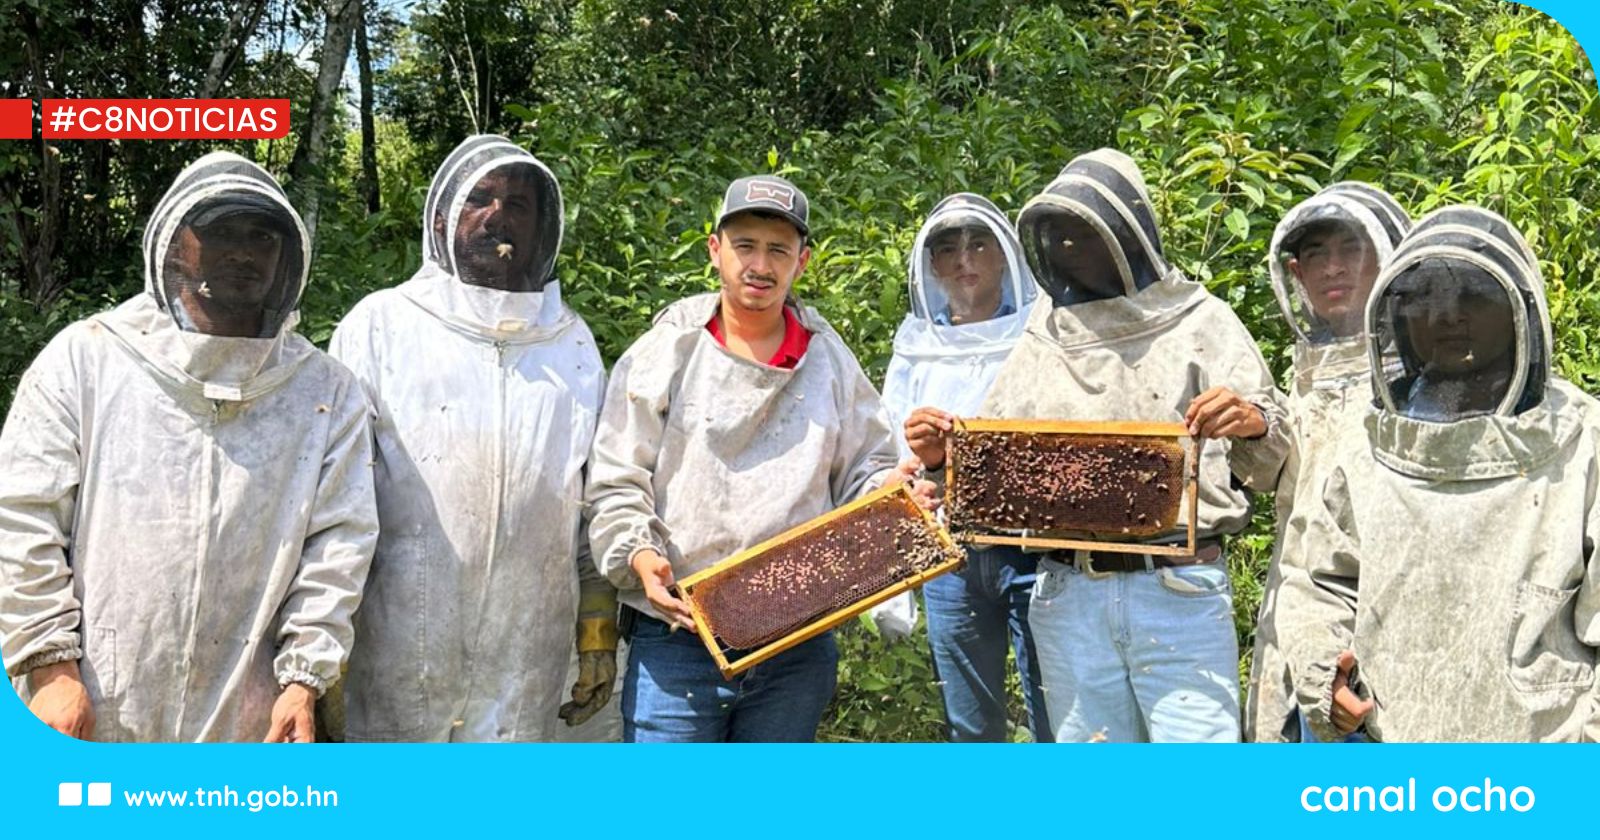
x=597 y=655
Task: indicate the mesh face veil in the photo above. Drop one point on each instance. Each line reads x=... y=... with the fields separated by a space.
x=1092 y=233
x=1324 y=259
x=493 y=217
x=965 y=268
x=225 y=254
x=1462 y=303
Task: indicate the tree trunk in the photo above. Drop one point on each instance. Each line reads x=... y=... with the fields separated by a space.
x=39 y=235
x=305 y=169
x=241 y=24
x=369 y=133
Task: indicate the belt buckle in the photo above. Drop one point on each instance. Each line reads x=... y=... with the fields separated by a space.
x=1084 y=560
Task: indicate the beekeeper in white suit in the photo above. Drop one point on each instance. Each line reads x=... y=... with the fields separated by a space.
x=1137 y=646
x=970 y=290
x=1458 y=598
x=487 y=388
x=186 y=502
x=1323 y=261
x=739 y=415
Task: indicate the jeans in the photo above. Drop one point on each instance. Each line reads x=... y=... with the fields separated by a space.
x=674 y=692
x=974 y=615
x=1137 y=656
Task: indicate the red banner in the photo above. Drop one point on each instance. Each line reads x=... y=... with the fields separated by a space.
x=166 y=119
x=16 y=119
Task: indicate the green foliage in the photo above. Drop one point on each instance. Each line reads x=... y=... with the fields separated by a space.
x=104 y=190
x=457 y=65
x=1235 y=110
x=887 y=691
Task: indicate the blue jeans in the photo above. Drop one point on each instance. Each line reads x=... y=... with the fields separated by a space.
x=974 y=615
x=674 y=692
x=1137 y=656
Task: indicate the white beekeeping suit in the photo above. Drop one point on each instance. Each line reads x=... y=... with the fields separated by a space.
x=946 y=365
x=487 y=388
x=186 y=502
x=740 y=451
x=1323 y=260
x=1457 y=562
x=1141 y=648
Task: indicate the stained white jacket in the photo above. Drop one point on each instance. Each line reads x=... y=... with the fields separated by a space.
x=189 y=516
x=701 y=453
x=486 y=403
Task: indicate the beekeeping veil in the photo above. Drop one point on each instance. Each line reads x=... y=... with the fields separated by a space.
x=1462 y=303
x=938 y=362
x=225 y=253
x=1092 y=234
x=962 y=232
x=225 y=262
x=1394 y=219
x=1325 y=256
x=493 y=217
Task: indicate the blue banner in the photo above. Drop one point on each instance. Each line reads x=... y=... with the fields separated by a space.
x=54 y=783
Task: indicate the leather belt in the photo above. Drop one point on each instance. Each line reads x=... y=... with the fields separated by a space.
x=1102 y=563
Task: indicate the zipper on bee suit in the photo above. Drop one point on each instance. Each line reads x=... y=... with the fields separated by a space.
x=496 y=502
x=207 y=521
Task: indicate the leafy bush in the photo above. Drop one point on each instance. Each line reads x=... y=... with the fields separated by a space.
x=1235 y=109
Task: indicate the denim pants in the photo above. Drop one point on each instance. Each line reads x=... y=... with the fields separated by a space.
x=1137 y=656
x=674 y=692
x=974 y=616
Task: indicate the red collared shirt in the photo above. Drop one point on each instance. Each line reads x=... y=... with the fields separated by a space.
x=795 y=339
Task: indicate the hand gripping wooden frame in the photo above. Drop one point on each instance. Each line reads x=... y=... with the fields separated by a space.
x=1189 y=504
x=901 y=492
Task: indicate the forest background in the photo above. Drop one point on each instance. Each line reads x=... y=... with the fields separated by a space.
x=1235 y=110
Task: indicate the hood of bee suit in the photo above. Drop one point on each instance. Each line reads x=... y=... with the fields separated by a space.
x=1371 y=232
x=491 y=230
x=1394 y=219
x=1462 y=304
x=1468 y=269
x=939 y=363
x=959 y=224
x=226 y=259
x=1102 y=192
x=1369 y=224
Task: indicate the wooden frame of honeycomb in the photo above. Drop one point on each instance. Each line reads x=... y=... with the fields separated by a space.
x=765 y=569
x=1145 y=475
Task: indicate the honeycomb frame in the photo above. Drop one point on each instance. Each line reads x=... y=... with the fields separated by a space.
x=951 y=558
x=1188 y=506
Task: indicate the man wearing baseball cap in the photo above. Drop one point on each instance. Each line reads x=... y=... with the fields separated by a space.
x=767 y=195
x=739 y=415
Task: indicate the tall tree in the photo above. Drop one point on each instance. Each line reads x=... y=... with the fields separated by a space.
x=37 y=230
x=369 y=134
x=241 y=24
x=343 y=17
